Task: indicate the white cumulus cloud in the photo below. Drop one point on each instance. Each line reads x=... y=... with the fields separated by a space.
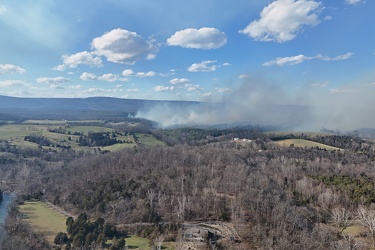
x=55 y=80
x=12 y=83
x=106 y=77
x=204 y=38
x=123 y=46
x=293 y=60
x=191 y=87
x=10 y=68
x=84 y=57
x=132 y=90
x=129 y=72
x=205 y=66
x=179 y=81
x=339 y=57
x=281 y=20
x=164 y=88
x=290 y=60
x=88 y=76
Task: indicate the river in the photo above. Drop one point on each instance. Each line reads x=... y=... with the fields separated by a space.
x=8 y=198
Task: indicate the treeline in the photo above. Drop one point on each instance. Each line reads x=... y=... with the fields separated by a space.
x=201 y=136
x=360 y=188
x=6 y=117
x=38 y=139
x=84 y=234
x=276 y=198
x=98 y=139
x=266 y=193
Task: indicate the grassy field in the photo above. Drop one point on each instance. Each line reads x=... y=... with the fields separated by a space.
x=59 y=122
x=134 y=242
x=117 y=147
x=9 y=132
x=43 y=219
x=86 y=129
x=15 y=134
x=46 y=221
x=149 y=140
x=311 y=134
x=304 y=143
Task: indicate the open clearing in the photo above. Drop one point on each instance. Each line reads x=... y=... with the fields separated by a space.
x=135 y=242
x=146 y=139
x=48 y=222
x=296 y=133
x=305 y=143
x=43 y=219
x=15 y=134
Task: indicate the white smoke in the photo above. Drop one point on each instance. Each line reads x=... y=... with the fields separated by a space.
x=260 y=103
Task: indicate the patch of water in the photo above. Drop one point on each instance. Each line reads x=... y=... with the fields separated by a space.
x=8 y=198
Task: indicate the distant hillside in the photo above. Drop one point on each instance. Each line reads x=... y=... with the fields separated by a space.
x=76 y=108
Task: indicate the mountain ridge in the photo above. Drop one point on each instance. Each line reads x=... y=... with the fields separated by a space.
x=89 y=103
x=77 y=108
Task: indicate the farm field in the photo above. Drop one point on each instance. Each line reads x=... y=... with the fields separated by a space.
x=58 y=122
x=304 y=143
x=68 y=137
x=43 y=219
x=135 y=242
x=146 y=139
x=47 y=222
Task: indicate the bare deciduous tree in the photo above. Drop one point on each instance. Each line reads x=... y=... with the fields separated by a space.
x=341 y=217
x=367 y=218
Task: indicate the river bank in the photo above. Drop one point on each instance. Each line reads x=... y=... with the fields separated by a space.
x=8 y=198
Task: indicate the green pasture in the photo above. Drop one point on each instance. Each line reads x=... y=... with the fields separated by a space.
x=150 y=140
x=118 y=146
x=43 y=220
x=86 y=129
x=125 y=138
x=297 y=133
x=47 y=222
x=59 y=122
x=46 y=122
x=15 y=134
x=9 y=132
x=135 y=242
x=304 y=143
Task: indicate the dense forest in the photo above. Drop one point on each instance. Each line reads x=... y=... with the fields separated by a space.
x=272 y=197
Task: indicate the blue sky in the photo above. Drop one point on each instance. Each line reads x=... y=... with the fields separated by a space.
x=187 y=50
x=248 y=55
